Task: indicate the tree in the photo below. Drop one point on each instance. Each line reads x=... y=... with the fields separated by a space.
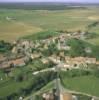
x=38 y=97
x=96 y=73
x=77 y=47
x=17 y=74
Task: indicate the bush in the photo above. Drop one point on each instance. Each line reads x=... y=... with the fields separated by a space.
x=78 y=48
x=38 y=97
x=74 y=73
x=5 y=47
x=83 y=97
x=96 y=73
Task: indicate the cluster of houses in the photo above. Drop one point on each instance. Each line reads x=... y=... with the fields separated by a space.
x=24 y=50
x=69 y=63
x=11 y=63
x=27 y=46
x=63 y=96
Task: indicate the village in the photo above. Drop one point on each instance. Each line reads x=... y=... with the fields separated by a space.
x=24 y=51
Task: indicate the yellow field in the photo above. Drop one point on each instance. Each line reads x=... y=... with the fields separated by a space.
x=14 y=30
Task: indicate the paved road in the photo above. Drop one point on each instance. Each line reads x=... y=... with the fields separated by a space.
x=44 y=70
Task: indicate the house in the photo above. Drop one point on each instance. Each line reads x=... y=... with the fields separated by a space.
x=45 y=46
x=66 y=66
x=45 y=60
x=66 y=96
x=63 y=66
x=14 y=50
x=8 y=18
x=74 y=97
x=13 y=62
x=62 y=54
x=4 y=65
x=94 y=98
x=20 y=98
x=48 y=96
x=35 y=55
x=2 y=58
x=63 y=46
x=54 y=59
x=88 y=50
x=17 y=62
x=97 y=62
x=76 y=62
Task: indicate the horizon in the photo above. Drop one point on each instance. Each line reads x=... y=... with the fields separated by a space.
x=60 y=1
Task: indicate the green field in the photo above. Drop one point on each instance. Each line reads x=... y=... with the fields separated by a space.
x=12 y=87
x=85 y=84
x=8 y=85
x=27 y=22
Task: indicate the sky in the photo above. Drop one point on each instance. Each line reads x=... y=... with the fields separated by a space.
x=89 y=1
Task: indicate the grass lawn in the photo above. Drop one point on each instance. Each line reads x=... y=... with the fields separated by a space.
x=86 y=84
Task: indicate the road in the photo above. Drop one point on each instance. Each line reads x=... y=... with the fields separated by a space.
x=59 y=88
x=44 y=70
x=62 y=89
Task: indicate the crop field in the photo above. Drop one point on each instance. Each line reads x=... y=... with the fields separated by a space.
x=16 y=23
x=11 y=30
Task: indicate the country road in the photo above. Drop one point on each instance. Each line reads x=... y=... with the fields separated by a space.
x=57 y=84
x=44 y=70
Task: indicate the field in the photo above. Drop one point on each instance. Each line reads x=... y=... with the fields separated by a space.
x=17 y=23
x=85 y=84
x=40 y=24
x=11 y=87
